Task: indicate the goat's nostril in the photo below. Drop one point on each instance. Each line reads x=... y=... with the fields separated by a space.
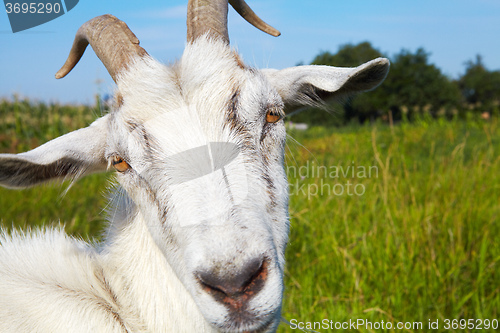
x=235 y=289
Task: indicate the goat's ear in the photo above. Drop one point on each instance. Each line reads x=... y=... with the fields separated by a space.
x=312 y=85
x=69 y=156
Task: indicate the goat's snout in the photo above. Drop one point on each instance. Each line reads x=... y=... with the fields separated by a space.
x=235 y=289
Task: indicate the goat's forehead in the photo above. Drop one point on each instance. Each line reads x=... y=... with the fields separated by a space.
x=205 y=79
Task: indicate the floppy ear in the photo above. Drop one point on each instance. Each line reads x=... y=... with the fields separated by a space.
x=72 y=155
x=306 y=85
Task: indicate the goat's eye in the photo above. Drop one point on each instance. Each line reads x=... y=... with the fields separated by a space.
x=273 y=116
x=119 y=164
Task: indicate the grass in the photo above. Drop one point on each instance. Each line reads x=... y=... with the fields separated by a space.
x=415 y=239
x=420 y=243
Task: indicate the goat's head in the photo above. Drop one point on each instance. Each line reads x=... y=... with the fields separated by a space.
x=199 y=149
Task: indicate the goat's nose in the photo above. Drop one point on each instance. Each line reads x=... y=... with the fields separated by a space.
x=235 y=289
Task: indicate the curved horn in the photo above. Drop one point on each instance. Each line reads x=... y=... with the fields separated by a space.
x=211 y=17
x=248 y=14
x=112 y=41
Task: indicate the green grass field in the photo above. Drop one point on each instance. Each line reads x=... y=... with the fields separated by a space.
x=398 y=224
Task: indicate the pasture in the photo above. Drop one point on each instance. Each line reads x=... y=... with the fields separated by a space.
x=393 y=224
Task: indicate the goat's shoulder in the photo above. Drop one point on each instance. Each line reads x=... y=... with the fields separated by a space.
x=50 y=278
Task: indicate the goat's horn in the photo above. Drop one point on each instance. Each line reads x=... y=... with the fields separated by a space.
x=112 y=41
x=248 y=14
x=206 y=16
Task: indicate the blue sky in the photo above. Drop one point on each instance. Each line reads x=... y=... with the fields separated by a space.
x=453 y=31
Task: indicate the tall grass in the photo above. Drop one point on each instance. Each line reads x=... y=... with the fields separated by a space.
x=419 y=243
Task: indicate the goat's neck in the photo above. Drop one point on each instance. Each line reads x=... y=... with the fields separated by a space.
x=149 y=295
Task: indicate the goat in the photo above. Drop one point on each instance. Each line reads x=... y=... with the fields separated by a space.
x=197 y=240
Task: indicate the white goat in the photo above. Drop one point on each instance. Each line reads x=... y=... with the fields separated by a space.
x=198 y=238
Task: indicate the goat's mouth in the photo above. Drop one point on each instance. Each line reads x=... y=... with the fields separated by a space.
x=246 y=322
x=253 y=325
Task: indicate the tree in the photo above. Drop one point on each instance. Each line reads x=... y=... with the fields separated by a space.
x=417 y=86
x=479 y=86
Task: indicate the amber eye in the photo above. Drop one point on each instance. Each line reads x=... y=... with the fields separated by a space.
x=273 y=116
x=119 y=164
